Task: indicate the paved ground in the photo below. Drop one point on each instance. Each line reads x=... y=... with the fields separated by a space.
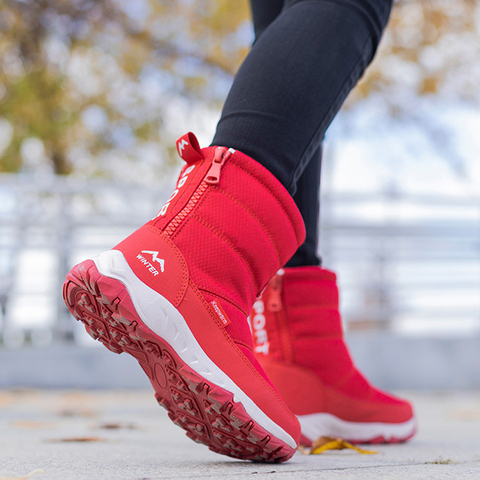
x=133 y=439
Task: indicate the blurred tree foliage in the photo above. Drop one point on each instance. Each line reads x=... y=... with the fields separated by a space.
x=84 y=79
x=430 y=47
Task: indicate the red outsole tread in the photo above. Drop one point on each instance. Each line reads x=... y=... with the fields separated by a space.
x=204 y=410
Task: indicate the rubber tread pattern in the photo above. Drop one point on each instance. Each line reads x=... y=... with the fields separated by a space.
x=207 y=412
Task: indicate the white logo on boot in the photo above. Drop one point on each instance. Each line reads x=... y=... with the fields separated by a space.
x=262 y=344
x=180 y=184
x=155 y=258
x=181 y=145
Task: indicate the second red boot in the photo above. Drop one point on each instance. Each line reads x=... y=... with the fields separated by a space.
x=299 y=342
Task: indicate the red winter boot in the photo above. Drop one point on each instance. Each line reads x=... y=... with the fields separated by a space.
x=176 y=294
x=299 y=342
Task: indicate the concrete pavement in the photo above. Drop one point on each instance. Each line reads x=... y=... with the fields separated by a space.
x=130 y=437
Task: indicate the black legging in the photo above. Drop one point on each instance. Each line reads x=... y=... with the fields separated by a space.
x=307 y=56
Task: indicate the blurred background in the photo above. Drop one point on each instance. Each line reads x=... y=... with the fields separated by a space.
x=93 y=95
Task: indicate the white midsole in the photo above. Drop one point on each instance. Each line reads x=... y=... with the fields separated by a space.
x=167 y=322
x=316 y=425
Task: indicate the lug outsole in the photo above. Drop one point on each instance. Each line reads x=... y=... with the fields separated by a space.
x=207 y=412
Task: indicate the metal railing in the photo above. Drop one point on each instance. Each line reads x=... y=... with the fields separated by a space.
x=410 y=264
x=405 y=264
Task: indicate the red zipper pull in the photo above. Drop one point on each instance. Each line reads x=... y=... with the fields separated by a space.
x=274 y=303
x=222 y=154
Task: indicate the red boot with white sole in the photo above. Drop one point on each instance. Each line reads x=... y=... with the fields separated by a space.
x=176 y=294
x=299 y=342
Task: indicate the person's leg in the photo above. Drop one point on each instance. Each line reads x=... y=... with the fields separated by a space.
x=307 y=199
x=307 y=196
x=281 y=103
x=295 y=79
x=264 y=12
x=298 y=334
x=308 y=186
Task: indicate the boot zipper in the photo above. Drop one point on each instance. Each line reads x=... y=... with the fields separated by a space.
x=274 y=303
x=222 y=154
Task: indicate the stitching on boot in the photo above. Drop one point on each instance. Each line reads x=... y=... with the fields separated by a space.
x=226 y=240
x=185 y=221
x=257 y=219
x=269 y=191
x=243 y=344
x=215 y=294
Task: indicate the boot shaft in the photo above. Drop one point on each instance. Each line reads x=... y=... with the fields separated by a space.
x=298 y=309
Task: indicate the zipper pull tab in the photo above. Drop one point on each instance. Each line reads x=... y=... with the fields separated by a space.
x=222 y=154
x=274 y=303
